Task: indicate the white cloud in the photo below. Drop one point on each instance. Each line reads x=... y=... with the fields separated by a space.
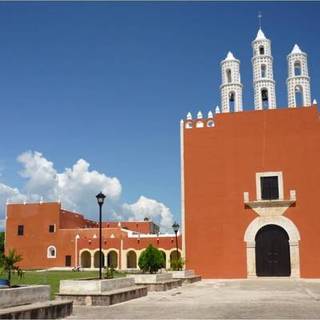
x=76 y=188
x=154 y=210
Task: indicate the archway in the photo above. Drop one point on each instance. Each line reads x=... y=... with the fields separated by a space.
x=164 y=258
x=85 y=259
x=112 y=259
x=174 y=256
x=131 y=259
x=272 y=252
x=299 y=96
x=294 y=238
x=96 y=259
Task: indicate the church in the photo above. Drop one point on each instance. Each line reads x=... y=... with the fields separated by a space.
x=250 y=179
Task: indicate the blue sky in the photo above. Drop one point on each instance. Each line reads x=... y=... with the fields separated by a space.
x=109 y=82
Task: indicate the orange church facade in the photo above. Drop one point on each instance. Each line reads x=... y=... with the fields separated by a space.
x=224 y=211
x=48 y=236
x=250 y=180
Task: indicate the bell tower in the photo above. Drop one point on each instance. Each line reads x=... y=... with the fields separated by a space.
x=263 y=82
x=298 y=82
x=231 y=87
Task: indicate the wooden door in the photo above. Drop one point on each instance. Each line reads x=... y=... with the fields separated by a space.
x=272 y=252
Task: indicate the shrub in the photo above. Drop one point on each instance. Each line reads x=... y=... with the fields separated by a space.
x=151 y=260
x=109 y=274
x=177 y=264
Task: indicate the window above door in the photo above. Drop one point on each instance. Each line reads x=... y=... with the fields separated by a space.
x=269 y=185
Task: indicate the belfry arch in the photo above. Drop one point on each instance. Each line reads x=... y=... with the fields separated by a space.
x=294 y=238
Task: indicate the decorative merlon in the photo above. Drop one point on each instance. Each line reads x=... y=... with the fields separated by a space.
x=296 y=49
x=260 y=35
x=199 y=115
x=230 y=56
x=210 y=114
x=189 y=116
x=217 y=110
x=314 y=101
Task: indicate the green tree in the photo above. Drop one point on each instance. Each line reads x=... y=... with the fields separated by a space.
x=1 y=243
x=151 y=260
x=9 y=264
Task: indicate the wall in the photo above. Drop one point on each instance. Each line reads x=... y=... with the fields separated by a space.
x=220 y=164
x=70 y=238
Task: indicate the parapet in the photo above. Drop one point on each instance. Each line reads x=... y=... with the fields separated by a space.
x=200 y=121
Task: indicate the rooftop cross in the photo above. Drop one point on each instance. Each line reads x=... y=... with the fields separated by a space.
x=260 y=18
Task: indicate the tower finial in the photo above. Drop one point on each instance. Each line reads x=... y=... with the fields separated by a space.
x=260 y=18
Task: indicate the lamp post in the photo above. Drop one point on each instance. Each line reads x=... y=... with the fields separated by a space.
x=175 y=228
x=100 y=198
x=77 y=237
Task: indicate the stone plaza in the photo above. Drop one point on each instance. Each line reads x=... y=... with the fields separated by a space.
x=276 y=298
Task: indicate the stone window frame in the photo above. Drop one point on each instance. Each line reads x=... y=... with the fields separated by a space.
x=260 y=175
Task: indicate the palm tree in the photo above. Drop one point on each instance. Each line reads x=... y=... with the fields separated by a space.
x=9 y=264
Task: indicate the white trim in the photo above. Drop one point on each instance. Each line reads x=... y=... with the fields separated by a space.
x=182 y=190
x=269 y=174
x=294 y=238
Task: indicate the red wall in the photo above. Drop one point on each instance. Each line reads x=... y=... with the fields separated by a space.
x=220 y=164
x=137 y=226
x=36 y=219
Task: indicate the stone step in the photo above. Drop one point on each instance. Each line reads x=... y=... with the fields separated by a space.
x=164 y=285
x=39 y=310
x=105 y=298
x=190 y=279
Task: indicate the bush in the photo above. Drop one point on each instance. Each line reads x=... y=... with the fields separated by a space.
x=177 y=264
x=109 y=274
x=151 y=260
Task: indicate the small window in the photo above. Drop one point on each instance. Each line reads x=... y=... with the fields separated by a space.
x=189 y=125
x=269 y=188
x=265 y=98
x=68 y=261
x=229 y=78
x=20 y=230
x=232 y=102
x=298 y=96
x=297 y=68
x=210 y=123
x=199 y=124
x=261 y=50
x=51 y=252
x=52 y=228
x=263 y=71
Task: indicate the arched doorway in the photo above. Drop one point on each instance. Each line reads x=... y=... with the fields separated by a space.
x=131 y=259
x=174 y=256
x=164 y=258
x=96 y=259
x=272 y=252
x=85 y=259
x=112 y=259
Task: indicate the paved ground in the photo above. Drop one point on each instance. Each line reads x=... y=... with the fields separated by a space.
x=211 y=299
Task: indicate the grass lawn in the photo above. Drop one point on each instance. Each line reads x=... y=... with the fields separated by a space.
x=53 y=278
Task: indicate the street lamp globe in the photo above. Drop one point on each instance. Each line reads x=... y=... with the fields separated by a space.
x=100 y=198
x=175 y=227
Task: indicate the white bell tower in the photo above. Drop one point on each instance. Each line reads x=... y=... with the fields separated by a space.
x=298 y=81
x=231 y=87
x=263 y=82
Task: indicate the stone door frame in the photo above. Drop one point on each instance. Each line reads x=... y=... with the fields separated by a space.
x=294 y=238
